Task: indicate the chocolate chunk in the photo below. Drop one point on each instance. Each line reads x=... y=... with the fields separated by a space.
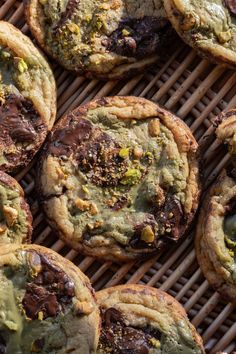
x=96 y=153
x=139 y=37
x=171 y=217
x=117 y=338
x=67 y=14
x=3 y=348
x=49 y=292
x=18 y=120
x=67 y=140
x=231 y=5
x=38 y=299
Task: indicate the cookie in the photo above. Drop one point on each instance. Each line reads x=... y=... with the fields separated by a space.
x=207 y=26
x=27 y=99
x=104 y=39
x=215 y=236
x=15 y=215
x=118 y=178
x=143 y=320
x=47 y=304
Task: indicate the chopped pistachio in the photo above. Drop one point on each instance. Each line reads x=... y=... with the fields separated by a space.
x=125 y=32
x=5 y=54
x=99 y=24
x=22 y=66
x=155 y=342
x=132 y=176
x=85 y=189
x=124 y=152
x=40 y=315
x=73 y=28
x=147 y=234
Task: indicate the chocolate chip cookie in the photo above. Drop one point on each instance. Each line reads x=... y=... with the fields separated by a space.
x=216 y=228
x=47 y=304
x=143 y=320
x=15 y=215
x=27 y=99
x=207 y=26
x=106 y=39
x=118 y=178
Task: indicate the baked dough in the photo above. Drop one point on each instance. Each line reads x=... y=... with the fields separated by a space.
x=47 y=305
x=207 y=26
x=143 y=320
x=15 y=215
x=106 y=39
x=119 y=178
x=27 y=99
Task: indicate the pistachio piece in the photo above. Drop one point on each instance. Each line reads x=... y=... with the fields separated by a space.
x=155 y=342
x=154 y=127
x=22 y=66
x=73 y=28
x=124 y=152
x=147 y=234
x=10 y=215
x=125 y=32
x=132 y=176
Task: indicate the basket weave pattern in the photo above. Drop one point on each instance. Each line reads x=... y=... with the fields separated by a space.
x=196 y=91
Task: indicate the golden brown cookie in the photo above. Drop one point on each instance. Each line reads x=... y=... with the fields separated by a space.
x=119 y=179
x=27 y=98
x=107 y=39
x=15 y=215
x=47 y=304
x=216 y=227
x=207 y=26
x=143 y=320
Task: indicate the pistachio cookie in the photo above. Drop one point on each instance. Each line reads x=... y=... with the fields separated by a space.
x=143 y=320
x=207 y=26
x=118 y=178
x=27 y=99
x=47 y=304
x=216 y=228
x=15 y=215
x=106 y=39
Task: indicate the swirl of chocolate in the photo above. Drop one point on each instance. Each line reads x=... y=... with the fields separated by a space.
x=117 y=338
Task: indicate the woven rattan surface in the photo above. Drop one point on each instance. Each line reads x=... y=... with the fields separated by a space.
x=196 y=91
